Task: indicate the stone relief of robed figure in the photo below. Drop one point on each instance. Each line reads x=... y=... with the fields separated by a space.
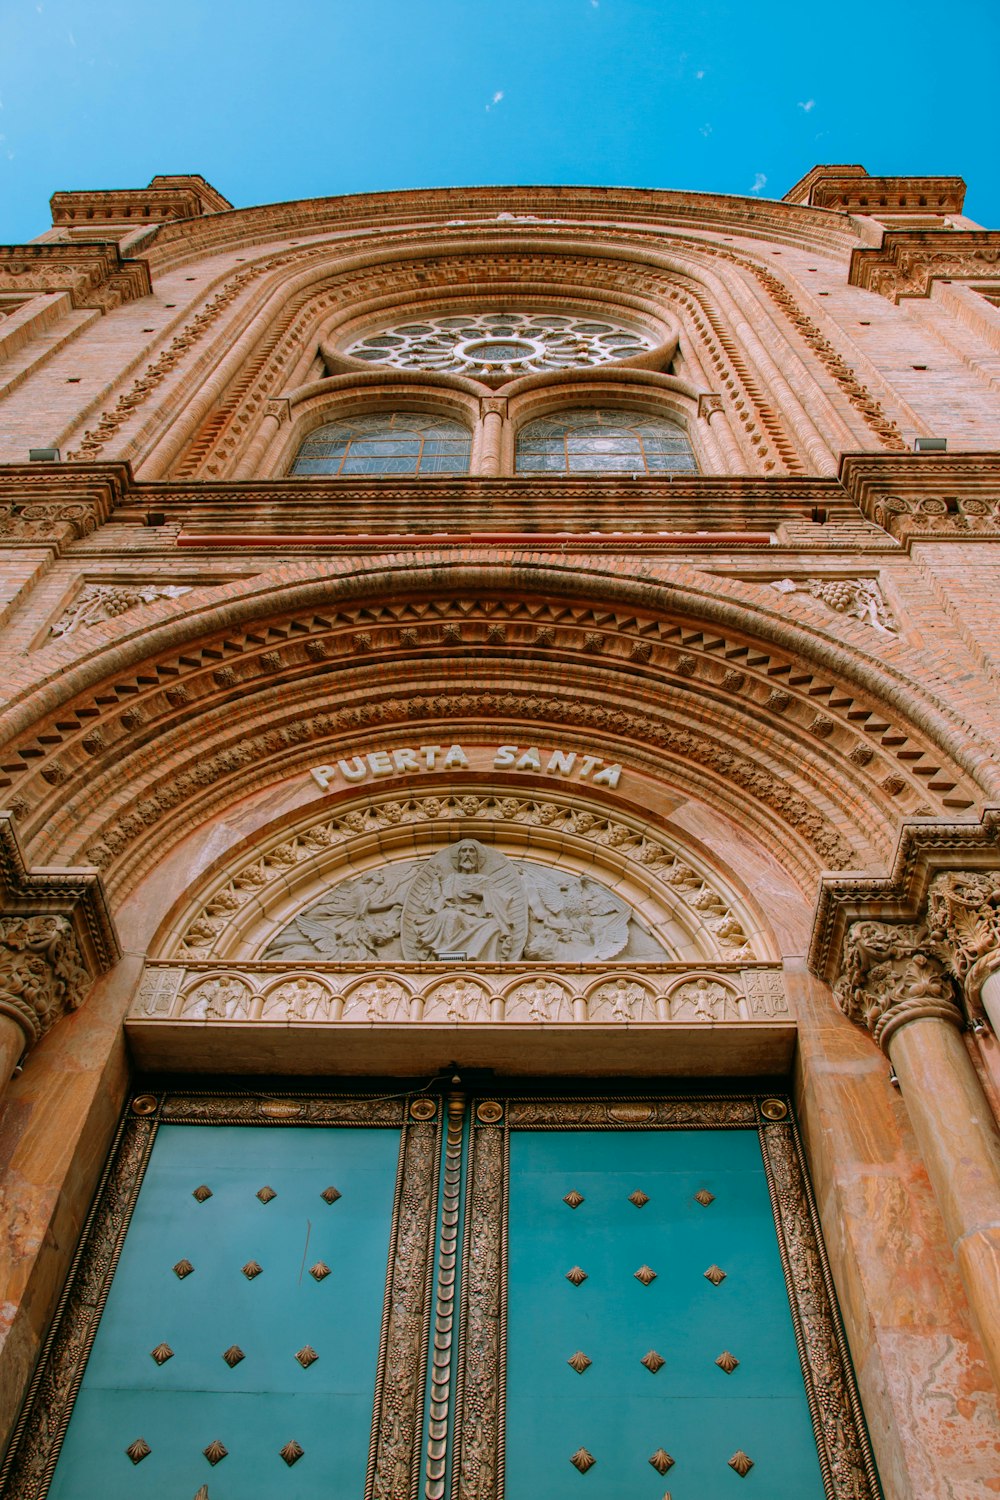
x=467 y=899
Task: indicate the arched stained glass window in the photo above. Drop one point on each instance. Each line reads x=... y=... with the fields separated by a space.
x=401 y=442
x=603 y=442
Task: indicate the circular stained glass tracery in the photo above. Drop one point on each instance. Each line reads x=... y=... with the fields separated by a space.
x=507 y=344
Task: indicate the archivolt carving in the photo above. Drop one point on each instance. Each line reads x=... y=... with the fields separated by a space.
x=217 y=924
x=149 y=795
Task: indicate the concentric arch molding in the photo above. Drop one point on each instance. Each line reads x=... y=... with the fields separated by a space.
x=697 y=914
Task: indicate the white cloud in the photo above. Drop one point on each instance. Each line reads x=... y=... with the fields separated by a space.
x=700 y=73
x=808 y=105
x=495 y=100
x=704 y=130
x=759 y=181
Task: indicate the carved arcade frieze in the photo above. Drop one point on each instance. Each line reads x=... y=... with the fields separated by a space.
x=325 y=994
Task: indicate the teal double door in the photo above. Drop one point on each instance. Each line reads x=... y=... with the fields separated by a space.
x=430 y=1296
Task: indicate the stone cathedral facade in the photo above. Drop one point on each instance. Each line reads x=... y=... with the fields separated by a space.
x=500 y=923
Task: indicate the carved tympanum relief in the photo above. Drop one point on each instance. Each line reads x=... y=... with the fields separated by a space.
x=467 y=899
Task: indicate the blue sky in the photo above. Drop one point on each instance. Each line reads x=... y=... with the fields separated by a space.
x=280 y=99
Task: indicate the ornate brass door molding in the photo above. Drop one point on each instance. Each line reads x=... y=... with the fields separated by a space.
x=512 y=1347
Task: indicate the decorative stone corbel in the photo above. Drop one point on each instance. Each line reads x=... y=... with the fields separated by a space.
x=56 y=938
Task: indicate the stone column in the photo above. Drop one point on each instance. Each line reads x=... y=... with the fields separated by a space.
x=493 y=414
x=42 y=977
x=276 y=413
x=897 y=983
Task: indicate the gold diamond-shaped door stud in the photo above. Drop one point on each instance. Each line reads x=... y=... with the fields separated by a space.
x=704 y=1197
x=183 y=1268
x=654 y=1362
x=320 y=1271
x=727 y=1361
x=645 y=1274
x=716 y=1275
x=306 y=1356
x=741 y=1462
x=579 y=1362
x=583 y=1460
x=577 y=1275
x=265 y=1194
x=215 y=1452
x=202 y=1193
x=138 y=1450
x=639 y=1198
x=330 y=1195
x=291 y=1453
x=161 y=1353
x=573 y=1198
x=251 y=1269
x=661 y=1461
x=233 y=1355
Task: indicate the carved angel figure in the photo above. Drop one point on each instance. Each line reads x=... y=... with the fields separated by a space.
x=358 y=920
x=704 y=1000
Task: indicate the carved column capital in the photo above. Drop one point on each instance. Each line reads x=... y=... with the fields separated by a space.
x=963 y=922
x=493 y=406
x=56 y=937
x=893 y=974
x=42 y=972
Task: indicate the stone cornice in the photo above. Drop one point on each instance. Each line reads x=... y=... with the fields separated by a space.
x=76 y=893
x=165 y=199
x=95 y=275
x=908 y=261
x=442 y=207
x=805 y=513
x=925 y=849
x=879 y=197
x=927 y=496
x=53 y=505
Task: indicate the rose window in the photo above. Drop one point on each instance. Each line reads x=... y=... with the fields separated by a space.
x=486 y=345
